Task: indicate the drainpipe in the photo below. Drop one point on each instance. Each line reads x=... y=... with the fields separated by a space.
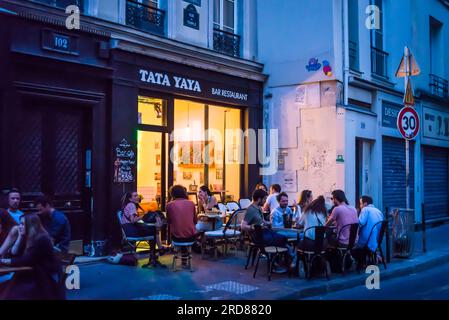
x=345 y=22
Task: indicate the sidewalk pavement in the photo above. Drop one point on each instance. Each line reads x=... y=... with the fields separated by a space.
x=227 y=279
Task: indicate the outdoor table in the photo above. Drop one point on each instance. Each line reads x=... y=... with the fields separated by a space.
x=211 y=216
x=7 y=269
x=298 y=231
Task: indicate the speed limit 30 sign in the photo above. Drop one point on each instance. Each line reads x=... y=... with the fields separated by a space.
x=408 y=123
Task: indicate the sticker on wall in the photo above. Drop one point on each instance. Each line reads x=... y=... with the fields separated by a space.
x=340 y=158
x=313 y=65
x=327 y=68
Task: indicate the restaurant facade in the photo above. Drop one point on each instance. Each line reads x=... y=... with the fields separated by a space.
x=86 y=117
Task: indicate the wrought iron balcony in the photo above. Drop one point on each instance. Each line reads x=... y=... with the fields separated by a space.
x=438 y=86
x=353 y=56
x=227 y=43
x=379 y=62
x=145 y=18
x=62 y=4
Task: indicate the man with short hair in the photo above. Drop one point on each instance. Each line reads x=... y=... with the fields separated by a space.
x=284 y=212
x=14 y=198
x=254 y=216
x=342 y=215
x=55 y=222
x=368 y=218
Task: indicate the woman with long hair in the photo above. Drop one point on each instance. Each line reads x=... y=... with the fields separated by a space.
x=314 y=215
x=304 y=200
x=207 y=202
x=130 y=220
x=34 y=248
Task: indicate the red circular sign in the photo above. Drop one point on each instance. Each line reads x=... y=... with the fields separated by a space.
x=408 y=123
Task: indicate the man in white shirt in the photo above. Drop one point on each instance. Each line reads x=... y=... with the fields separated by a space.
x=368 y=218
x=272 y=203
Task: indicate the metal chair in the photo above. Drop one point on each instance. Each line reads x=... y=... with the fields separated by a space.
x=232 y=206
x=133 y=242
x=222 y=208
x=318 y=253
x=270 y=252
x=244 y=203
x=372 y=256
x=223 y=236
x=343 y=251
x=177 y=254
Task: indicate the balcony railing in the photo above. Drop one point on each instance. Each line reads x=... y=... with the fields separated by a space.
x=353 y=56
x=145 y=18
x=62 y=4
x=438 y=86
x=227 y=43
x=379 y=62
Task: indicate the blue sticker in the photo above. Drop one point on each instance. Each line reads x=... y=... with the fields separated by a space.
x=313 y=65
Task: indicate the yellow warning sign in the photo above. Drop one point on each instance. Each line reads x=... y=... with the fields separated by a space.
x=408 y=97
x=413 y=67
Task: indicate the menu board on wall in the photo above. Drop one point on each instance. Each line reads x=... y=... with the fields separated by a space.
x=125 y=161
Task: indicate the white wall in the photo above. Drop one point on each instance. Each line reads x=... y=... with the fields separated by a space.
x=291 y=32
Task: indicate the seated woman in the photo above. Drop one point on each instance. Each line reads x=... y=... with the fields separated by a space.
x=34 y=248
x=314 y=216
x=207 y=202
x=130 y=220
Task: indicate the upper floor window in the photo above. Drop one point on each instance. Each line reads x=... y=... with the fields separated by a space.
x=146 y=16
x=377 y=33
x=62 y=4
x=150 y=3
x=225 y=15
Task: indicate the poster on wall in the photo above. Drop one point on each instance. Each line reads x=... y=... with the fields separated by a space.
x=301 y=95
x=289 y=181
x=125 y=161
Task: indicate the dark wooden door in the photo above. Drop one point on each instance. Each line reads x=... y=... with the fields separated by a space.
x=53 y=158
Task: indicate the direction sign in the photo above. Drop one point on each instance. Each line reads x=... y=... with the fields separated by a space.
x=408 y=123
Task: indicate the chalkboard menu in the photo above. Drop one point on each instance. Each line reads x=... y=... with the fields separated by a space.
x=125 y=161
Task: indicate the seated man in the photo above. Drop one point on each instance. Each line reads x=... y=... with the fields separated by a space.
x=368 y=218
x=254 y=216
x=181 y=217
x=55 y=222
x=281 y=213
x=14 y=204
